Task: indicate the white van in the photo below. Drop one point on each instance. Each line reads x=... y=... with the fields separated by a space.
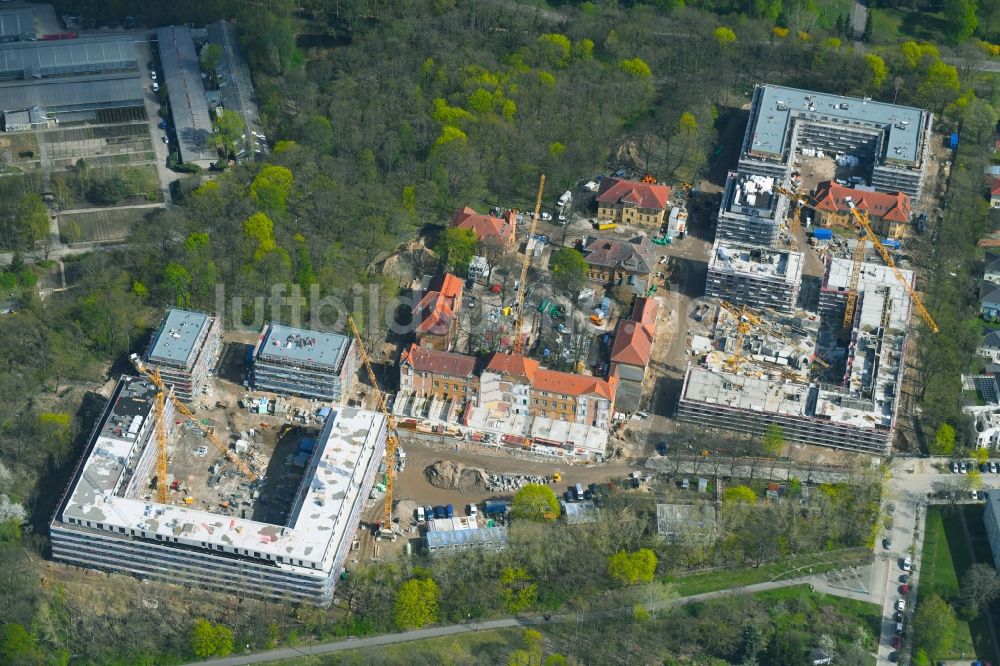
x=566 y=197
x=420 y=514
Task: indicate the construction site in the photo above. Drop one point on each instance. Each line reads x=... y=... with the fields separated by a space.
x=248 y=493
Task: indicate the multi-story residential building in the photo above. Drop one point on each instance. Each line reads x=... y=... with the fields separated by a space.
x=632 y=202
x=754 y=276
x=991 y=519
x=611 y=261
x=892 y=139
x=532 y=390
x=631 y=350
x=109 y=520
x=752 y=210
x=888 y=213
x=184 y=349
x=298 y=361
x=435 y=317
x=488 y=229
x=428 y=373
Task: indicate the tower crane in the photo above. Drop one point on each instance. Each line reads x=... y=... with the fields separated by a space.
x=794 y=220
x=391 y=438
x=887 y=258
x=523 y=289
x=747 y=321
x=161 y=431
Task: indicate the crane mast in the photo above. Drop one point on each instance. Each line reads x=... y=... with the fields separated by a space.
x=391 y=439
x=522 y=285
x=887 y=258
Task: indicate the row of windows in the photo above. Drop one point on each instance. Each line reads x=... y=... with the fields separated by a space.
x=465 y=389
x=545 y=403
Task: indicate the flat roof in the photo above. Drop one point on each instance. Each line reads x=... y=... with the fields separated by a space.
x=286 y=344
x=756 y=261
x=348 y=450
x=874 y=278
x=483 y=536
x=86 y=55
x=188 y=105
x=175 y=341
x=79 y=93
x=778 y=105
x=17 y=22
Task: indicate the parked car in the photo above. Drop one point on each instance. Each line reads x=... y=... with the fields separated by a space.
x=907 y=564
x=994 y=467
x=900 y=606
x=152 y=74
x=428 y=512
x=954 y=467
x=904 y=588
x=420 y=514
x=439 y=511
x=894 y=656
x=898 y=616
x=899 y=628
x=473 y=510
x=891 y=509
x=887 y=543
x=897 y=642
x=449 y=511
x=662 y=448
x=963 y=467
x=904 y=578
x=546 y=217
x=567 y=496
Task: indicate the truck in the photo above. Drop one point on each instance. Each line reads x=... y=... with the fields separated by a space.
x=578 y=491
x=495 y=507
x=566 y=197
x=604 y=226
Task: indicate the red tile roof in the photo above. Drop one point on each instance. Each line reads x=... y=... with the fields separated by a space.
x=995 y=187
x=513 y=366
x=438 y=362
x=634 y=193
x=567 y=383
x=634 y=339
x=436 y=311
x=485 y=227
x=832 y=197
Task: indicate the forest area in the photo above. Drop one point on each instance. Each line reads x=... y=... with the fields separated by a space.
x=387 y=116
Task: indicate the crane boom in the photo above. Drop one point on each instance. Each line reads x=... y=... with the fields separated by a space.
x=161 y=463
x=161 y=447
x=887 y=258
x=795 y=218
x=523 y=287
x=852 y=283
x=391 y=439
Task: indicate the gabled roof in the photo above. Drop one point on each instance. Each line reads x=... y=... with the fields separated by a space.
x=991 y=340
x=832 y=197
x=989 y=292
x=513 y=366
x=435 y=312
x=567 y=383
x=438 y=362
x=485 y=227
x=635 y=255
x=994 y=188
x=634 y=339
x=991 y=263
x=633 y=193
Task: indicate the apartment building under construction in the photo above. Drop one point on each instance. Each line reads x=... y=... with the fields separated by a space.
x=760 y=278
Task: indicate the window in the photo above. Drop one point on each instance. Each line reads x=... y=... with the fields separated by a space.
x=436 y=384
x=256 y=554
x=122 y=530
x=456 y=386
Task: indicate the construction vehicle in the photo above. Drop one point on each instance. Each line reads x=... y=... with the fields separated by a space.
x=391 y=438
x=852 y=295
x=649 y=178
x=519 y=322
x=161 y=430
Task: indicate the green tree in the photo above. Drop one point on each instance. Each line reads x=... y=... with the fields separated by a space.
x=416 y=603
x=17 y=645
x=724 y=36
x=519 y=591
x=960 y=19
x=934 y=627
x=981 y=455
x=228 y=130
x=211 y=56
x=456 y=247
x=739 y=495
x=751 y=643
x=774 y=440
x=877 y=67
x=637 y=67
x=569 y=270
x=555 y=49
x=317 y=132
x=260 y=229
x=980 y=586
x=920 y=658
x=944 y=441
x=271 y=187
x=210 y=640
x=177 y=283
x=535 y=502
x=866 y=35
x=631 y=568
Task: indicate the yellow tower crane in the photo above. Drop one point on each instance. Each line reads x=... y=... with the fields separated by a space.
x=161 y=430
x=523 y=288
x=795 y=218
x=887 y=258
x=747 y=321
x=391 y=438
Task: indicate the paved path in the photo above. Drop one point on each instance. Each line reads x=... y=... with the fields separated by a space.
x=818 y=583
x=859 y=15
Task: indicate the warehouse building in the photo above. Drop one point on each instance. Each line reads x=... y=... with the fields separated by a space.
x=759 y=278
x=751 y=211
x=17 y=24
x=889 y=139
x=188 y=104
x=105 y=521
x=298 y=361
x=857 y=412
x=184 y=349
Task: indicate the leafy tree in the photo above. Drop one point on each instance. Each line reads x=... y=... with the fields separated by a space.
x=531 y=654
x=211 y=56
x=535 y=502
x=879 y=70
x=316 y=132
x=569 y=270
x=631 y=568
x=260 y=229
x=920 y=658
x=944 y=441
x=519 y=591
x=555 y=49
x=17 y=645
x=980 y=586
x=934 y=627
x=724 y=36
x=456 y=247
x=751 y=643
x=228 y=130
x=271 y=187
x=739 y=495
x=960 y=19
x=210 y=640
x=416 y=603
x=637 y=67
x=981 y=455
x=177 y=282
x=774 y=440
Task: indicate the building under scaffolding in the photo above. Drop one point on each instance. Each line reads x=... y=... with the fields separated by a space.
x=759 y=278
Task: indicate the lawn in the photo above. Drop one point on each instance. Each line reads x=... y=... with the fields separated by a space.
x=711 y=581
x=100 y=226
x=868 y=614
x=891 y=26
x=946 y=557
x=829 y=10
